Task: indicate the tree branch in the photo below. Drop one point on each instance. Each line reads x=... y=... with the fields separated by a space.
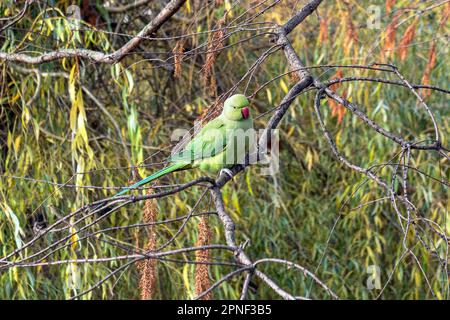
x=168 y=11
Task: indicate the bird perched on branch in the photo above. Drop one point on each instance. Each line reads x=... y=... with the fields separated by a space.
x=220 y=144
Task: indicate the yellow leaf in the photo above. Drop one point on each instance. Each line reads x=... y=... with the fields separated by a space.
x=80 y=102
x=82 y=128
x=26 y=116
x=371 y=254
x=9 y=140
x=15 y=98
x=186 y=281
x=188 y=6
x=17 y=144
x=228 y=8
x=290 y=131
x=417 y=278
x=72 y=84
x=338 y=138
x=269 y=96
x=15 y=271
x=249 y=185
x=284 y=87
x=130 y=81
x=50 y=26
x=180 y=204
x=73 y=116
x=73 y=238
x=309 y=159
x=235 y=201
x=372 y=154
x=366 y=96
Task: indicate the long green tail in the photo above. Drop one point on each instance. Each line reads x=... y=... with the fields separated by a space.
x=152 y=177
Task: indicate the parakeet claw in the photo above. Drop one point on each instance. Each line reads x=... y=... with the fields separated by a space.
x=227 y=172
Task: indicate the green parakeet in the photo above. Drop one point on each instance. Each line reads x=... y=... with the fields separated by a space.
x=220 y=144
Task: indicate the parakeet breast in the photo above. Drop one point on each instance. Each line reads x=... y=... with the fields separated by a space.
x=240 y=140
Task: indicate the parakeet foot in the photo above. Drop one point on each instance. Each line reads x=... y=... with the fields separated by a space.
x=227 y=172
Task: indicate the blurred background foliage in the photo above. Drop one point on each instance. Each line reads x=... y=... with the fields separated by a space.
x=83 y=123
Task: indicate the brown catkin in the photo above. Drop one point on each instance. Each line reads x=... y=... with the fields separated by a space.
x=202 y=281
x=430 y=65
x=351 y=30
x=351 y=36
x=389 y=5
x=432 y=53
x=407 y=38
x=323 y=30
x=337 y=110
x=445 y=15
x=178 y=57
x=147 y=268
x=389 y=38
x=215 y=45
x=213 y=86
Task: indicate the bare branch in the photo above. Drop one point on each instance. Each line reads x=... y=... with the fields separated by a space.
x=168 y=11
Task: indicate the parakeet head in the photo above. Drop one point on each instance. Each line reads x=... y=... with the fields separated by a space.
x=236 y=107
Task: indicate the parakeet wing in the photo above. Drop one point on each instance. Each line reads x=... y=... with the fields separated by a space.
x=207 y=143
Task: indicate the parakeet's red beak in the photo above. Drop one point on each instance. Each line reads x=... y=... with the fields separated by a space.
x=245 y=112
